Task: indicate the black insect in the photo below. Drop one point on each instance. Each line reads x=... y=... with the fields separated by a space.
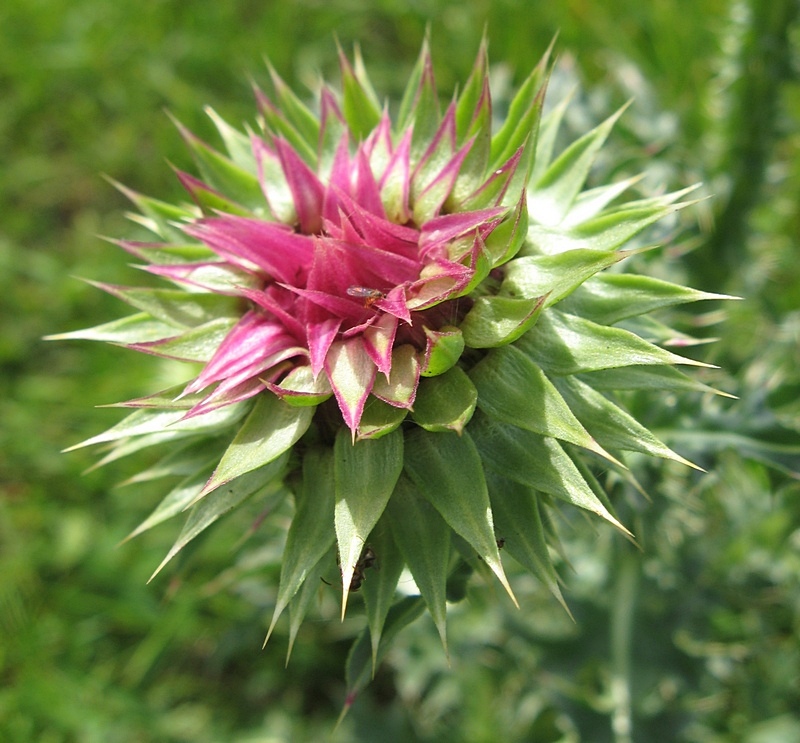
x=366 y=561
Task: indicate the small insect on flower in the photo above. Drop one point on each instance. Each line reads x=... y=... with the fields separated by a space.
x=370 y=296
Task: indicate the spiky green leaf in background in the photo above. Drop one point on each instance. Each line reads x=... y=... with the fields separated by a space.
x=419 y=327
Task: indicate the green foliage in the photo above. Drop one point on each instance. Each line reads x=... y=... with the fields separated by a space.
x=89 y=652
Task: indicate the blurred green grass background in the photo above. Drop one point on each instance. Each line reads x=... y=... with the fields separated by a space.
x=89 y=652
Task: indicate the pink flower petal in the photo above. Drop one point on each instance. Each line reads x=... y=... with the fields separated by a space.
x=339 y=180
x=251 y=342
x=343 y=307
x=374 y=230
x=272 y=247
x=396 y=303
x=307 y=191
x=273 y=183
x=321 y=335
x=366 y=191
x=218 y=399
x=449 y=227
x=379 y=340
x=269 y=300
x=441 y=280
x=352 y=374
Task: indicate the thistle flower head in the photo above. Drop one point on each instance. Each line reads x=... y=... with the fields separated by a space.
x=353 y=245
x=418 y=306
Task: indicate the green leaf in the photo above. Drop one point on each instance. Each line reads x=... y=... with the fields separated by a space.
x=218 y=503
x=420 y=104
x=333 y=131
x=180 y=462
x=591 y=202
x=365 y=476
x=198 y=344
x=363 y=78
x=138 y=328
x=662 y=334
x=470 y=96
x=609 y=298
x=558 y=275
x=556 y=190
x=443 y=350
x=649 y=378
x=360 y=659
x=174 y=502
x=223 y=174
x=473 y=169
x=445 y=402
x=447 y=470
x=360 y=107
x=177 y=254
x=300 y=389
x=519 y=524
x=565 y=344
x=423 y=538
x=549 y=127
x=278 y=126
x=236 y=143
x=512 y=389
x=496 y=321
x=535 y=461
x=157 y=216
x=211 y=201
x=127 y=446
x=311 y=532
x=168 y=399
x=522 y=122
x=379 y=418
x=506 y=240
x=611 y=425
x=431 y=182
x=380 y=589
x=302 y=120
x=401 y=386
x=480 y=264
x=143 y=422
x=272 y=428
x=302 y=600
x=608 y=231
x=175 y=307
x=593 y=483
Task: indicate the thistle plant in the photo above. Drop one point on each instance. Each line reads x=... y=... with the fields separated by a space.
x=414 y=327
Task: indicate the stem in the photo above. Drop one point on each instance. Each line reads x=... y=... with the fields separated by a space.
x=749 y=132
x=622 y=614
